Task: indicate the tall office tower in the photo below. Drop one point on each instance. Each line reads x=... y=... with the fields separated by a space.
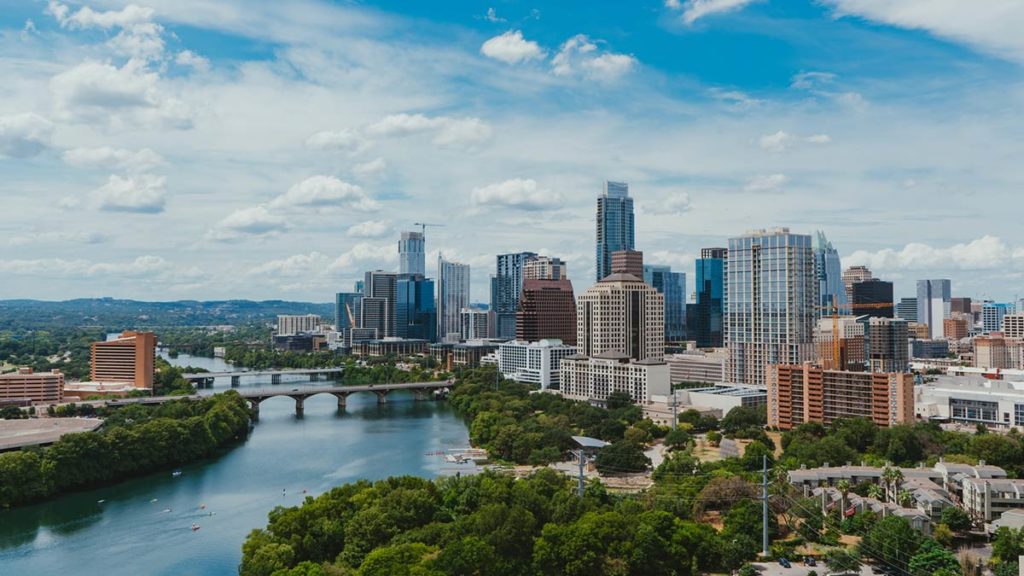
x=1013 y=325
x=832 y=291
x=872 y=292
x=852 y=355
x=415 y=314
x=129 y=358
x=622 y=314
x=615 y=227
x=412 y=254
x=960 y=304
x=545 y=268
x=672 y=285
x=380 y=285
x=547 y=310
x=853 y=275
x=474 y=322
x=292 y=324
x=506 y=286
x=907 y=309
x=628 y=262
x=373 y=316
x=452 y=297
x=704 y=318
x=770 y=292
x=992 y=314
x=346 y=311
x=933 y=305
x=887 y=345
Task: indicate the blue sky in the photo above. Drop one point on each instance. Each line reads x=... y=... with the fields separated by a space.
x=188 y=149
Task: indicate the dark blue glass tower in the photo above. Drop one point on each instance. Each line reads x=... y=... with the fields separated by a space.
x=615 y=227
x=415 y=311
x=704 y=319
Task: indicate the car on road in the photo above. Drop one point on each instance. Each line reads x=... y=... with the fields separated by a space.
x=810 y=561
x=784 y=563
x=295 y=389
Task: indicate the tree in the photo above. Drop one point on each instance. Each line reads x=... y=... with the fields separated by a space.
x=892 y=541
x=742 y=418
x=842 y=560
x=843 y=486
x=942 y=534
x=622 y=456
x=677 y=439
x=618 y=400
x=397 y=560
x=714 y=437
x=932 y=558
x=956 y=519
x=875 y=491
x=754 y=455
x=1007 y=545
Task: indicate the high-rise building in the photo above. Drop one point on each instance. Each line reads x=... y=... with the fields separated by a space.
x=615 y=226
x=628 y=262
x=672 y=285
x=506 y=287
x=547 y=311
x=996 y=351
x=452 y=296
x=129 y=358
x=806 y=393
x=770 y=297
x=853 y=275
x=992 y=314
x=832 y=292
x=346 y=313
x=412 y=254
x=1013 y=325
x=850 y=333
x=292 y=324
x=380 y=286
x=955 y=327
x=28 y=386
x=533 y=362
x=373 y=319
x=622 y=314
x=545 y=268
x=933 y=304
x=704 y=318
x=960 y=304
x=872 y=292
x=415 y=314
x=474 y=323
x=907 y=309
x=888 y=350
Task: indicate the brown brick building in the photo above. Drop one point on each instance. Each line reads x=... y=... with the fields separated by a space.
x=129 y=358
x=547 y=310
x=628 y=262
x=807 y=393
x=28 y=386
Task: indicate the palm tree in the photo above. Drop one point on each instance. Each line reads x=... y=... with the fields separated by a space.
x=875 y=491
x=906 y=499
x=887 y=475
x=844 y=488
x=897 y=481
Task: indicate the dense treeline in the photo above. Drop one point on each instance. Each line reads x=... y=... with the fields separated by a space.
x=44 y=350
x=134 y=440
x=516 y=424
x=200 y=341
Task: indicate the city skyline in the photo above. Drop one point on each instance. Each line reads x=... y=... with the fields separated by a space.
x=135 y=168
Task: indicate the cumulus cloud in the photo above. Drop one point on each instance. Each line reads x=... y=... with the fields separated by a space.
x=580 y=56
x=296 y=265
x=254 y=221
x=50 y=237
x=677 y=203
x=781 y=141
x=766 y=183
x=325 y=192
x=492 y=16
x=101 y=92
x=512 y=48
x=370 y=229
x=985 y=253
x=192 y=60
x=141 y=193
x=139 y=36
x=142 y=267
x=114 y=158
x=993 y=27
x=811 y=80
x=447 y=131
x=345 y=139
x=364 y=255
x=370 y=169
x=24 y=135
x=694 y=10
x=523 y=194
x=735 y=99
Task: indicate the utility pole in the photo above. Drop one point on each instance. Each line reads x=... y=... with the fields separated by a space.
x=675 y=417
x=582 y=460
x=764 y=505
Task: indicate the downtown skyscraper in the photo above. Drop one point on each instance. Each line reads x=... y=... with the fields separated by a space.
x=615 y=226
x=672 y=285
x=770 y=297
x=829 y=271
x=506 y=288
x=704 y=318
x=934 y=305
x=452 y=296
x=412 y=254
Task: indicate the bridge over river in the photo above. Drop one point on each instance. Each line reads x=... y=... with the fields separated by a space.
x=314 y=374
x=255 y=396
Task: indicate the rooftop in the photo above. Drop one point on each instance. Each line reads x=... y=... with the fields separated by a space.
x=38 y=431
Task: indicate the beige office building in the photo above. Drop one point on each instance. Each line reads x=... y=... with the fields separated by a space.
x=26 y=385
x=129 y=359
x=621 y=314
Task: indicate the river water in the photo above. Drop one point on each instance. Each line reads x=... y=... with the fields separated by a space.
x=132 y=533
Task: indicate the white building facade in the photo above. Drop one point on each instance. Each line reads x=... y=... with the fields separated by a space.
x=533 y=362
x=594 y=379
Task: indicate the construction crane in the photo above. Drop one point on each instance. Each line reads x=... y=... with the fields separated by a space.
x=423 y=227
x=835 y=324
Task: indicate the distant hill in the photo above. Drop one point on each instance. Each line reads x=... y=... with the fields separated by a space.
x=121 y=314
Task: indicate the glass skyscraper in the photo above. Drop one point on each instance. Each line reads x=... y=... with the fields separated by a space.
x=704 y=317
x=346 y=312
x=771 y=289
x=415 y=314
x=506 y=287
x=829 y=271
x=615 y=226
x=934 y=305
x=452 y=297
x=672 y=285
x=411 y=254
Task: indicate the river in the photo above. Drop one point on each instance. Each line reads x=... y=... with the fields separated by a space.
x=131 y=532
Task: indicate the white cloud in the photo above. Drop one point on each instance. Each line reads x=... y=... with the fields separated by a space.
x=523 y=194
x=371 y=169
x=254 y=221
x=512 y=48
x=818 y=139
x=325 y=192
x=50 y=237
x=677 y=203
x=781 y=141
x=101 y=92
x=580 y=56
x=192 y=60
x=142 y=267
x=142 y=193
x=364 y=255
x=139 y=37
x=24 y=135
x=694 y=10
x=370 y=229
x=811 y=80
x=113 y=158
x=296 y=265
x=993 y=26
x=345 y=139
x=735 y=99
x=492 y=16
x=447 y=131
x=766 y=183
x=985 y=253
